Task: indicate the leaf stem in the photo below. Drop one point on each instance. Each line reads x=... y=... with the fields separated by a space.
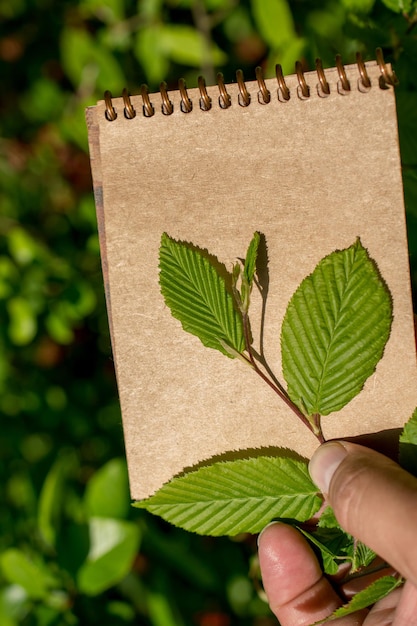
x=364 y=572
x=314 y=426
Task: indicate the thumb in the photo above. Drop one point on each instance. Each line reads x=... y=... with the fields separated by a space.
x=373 y=498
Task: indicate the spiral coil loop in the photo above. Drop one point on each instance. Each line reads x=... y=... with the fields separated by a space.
x=282 y=85
x=264 y=95
x=148 y=109
x=167 y=106
x=364 y=78
x=205 y=100
x=129 y=111
x=302 y=84
x=110 y=112
x=387 y=79
x=244 y=95
x=324 y=85
x=225 y=101
x=186 y=104
x=344 y=82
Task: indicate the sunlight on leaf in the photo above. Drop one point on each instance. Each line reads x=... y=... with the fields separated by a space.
x=197 y=296
x=19 y=569
x=274 y=20
x=334 y=331
x=113 y=546
x=233 y=497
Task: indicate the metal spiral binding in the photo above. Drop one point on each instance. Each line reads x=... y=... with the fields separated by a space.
x=387 y=79
x=344 y=82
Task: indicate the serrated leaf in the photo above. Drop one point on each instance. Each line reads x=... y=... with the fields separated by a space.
x=332 y=545
x=233 y=497
x=355 y=551
x=408 y=445
x=334 y=331
x=362 y=556
x=328 y=519
x=251 y=256
x=197 y=296
x=365 y=598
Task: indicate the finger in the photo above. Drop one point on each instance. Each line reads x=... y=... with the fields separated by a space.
x=386 y=442
x=373 y=498
x=406 y=612
x=298 y=593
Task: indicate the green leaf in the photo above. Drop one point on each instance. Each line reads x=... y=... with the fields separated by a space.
x=250 y=260
x=149 y=52
x=23 y=248
x=114 y=545
x=328 y=519
x=331 y=545
x=398 y=6
x=107 y=493
x=274 y=21
x=18 y=569
x=197 y=296
x=362 y=7
x=334 y=331
x=14 y=605
x=362 y=556
x=287 y=56
x=150 y=10
x=88 y=62
x=408 y=445
x=355 y=551
x=111 y=11
x=367 y=597
x=242 y=297
x=161 y=611
x=187 y=46
x=23 y=324
x=233 y=497
x=52 y=497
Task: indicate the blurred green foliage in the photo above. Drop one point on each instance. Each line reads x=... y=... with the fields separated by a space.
x=72 y=550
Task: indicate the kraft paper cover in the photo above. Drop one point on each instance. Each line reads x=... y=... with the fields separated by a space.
x=311 y=175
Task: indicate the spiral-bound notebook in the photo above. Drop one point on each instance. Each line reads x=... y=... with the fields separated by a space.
x=312 y=162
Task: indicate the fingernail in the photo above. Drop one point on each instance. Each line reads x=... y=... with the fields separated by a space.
x=325 y=462
x=264 y=529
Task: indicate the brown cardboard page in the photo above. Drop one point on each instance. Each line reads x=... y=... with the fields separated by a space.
x=311 y=175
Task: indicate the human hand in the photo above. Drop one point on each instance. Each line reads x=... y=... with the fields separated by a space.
x=374 y=500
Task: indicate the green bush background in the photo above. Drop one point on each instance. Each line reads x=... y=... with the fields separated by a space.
x=72 y=549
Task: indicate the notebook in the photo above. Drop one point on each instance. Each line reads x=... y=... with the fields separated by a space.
x=311 y=161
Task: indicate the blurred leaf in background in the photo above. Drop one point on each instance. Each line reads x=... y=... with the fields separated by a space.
x=72 y=549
